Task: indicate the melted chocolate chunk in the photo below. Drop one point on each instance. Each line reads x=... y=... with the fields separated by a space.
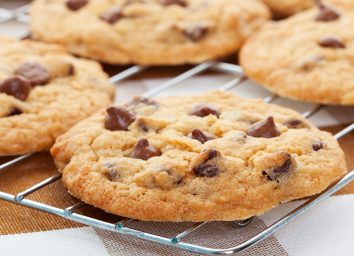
x=182 y=3
x=326 y=13
x=205 y=110
x=118 y=119
x=14 y=112
x=16 y=86
x=143 y=150
x=331 y=42
x=279 y=171
x=112 y=16
x=264 y=129
x=206 y=170
x=35 y=73
x=75 y=5
x=284 y=168
x=317 y=145
x=295 y=123
x=201 y=136
x=195 y=33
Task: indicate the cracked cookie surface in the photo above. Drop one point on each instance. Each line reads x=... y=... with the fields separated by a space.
x=43 y=92
x=308 y=56
x=213 y=156
x=151 y=32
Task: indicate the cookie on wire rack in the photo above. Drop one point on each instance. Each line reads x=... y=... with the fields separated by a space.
x=43 y=92
x=149 y=32
x=308 y=56
x=214 y=156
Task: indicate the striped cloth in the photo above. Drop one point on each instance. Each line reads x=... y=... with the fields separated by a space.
x=325 y=230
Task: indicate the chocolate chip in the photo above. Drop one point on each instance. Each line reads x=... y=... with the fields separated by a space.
x=182 y=3
x=205 y=110
x=112 y=16
x=206 y=170
x=264 y=173
x=317 y=145
x=295 y=123
x=14 y=112
x=277 y=172
x=143 y=150
x=326 y=13
x=284 y=168
x=63 y=70
x=75 y=5
x=35 y=73
x=16 y=86
x=240 y=138
x=118 y=119
x=195 y=33
x=310 y=63
x=264 y=129
x=208 y=167
x=201 y=136
x=70 y=70
x=331 y=42
x=212 y=153
x=143 y=126
x=59 y=68
x=142 y=100
x=112 y=174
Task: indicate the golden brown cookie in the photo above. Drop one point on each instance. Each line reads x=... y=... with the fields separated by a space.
x=307 y=57
x=148 y=32
x=214 y=156
x=43 y=92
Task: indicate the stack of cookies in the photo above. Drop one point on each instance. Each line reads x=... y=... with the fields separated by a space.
x=213 y=156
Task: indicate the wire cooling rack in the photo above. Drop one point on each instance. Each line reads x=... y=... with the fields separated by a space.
x=177 y=240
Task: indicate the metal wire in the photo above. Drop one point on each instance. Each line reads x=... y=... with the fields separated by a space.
x=14 y=161
x=175 y=241
x=20 y=14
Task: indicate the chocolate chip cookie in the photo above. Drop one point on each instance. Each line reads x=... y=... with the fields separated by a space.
x=214 y=156
x=148 y=32
x=43 y=92
x=307 y=57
